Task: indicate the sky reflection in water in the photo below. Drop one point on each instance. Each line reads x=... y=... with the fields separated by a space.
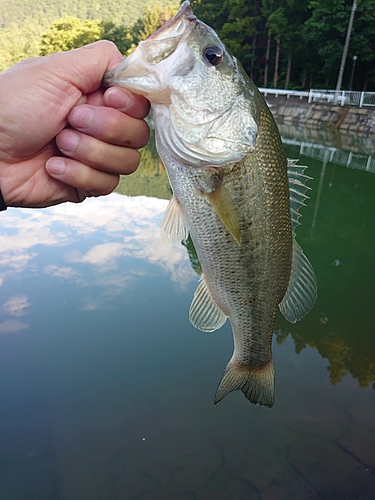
x=106 y=389
x=84 y=245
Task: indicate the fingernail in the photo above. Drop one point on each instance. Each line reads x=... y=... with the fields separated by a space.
x=120 y=100
x=67 y=141
x=81 y=117
x=55 y=166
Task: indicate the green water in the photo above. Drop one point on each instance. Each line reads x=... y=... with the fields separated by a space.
x=106 y=389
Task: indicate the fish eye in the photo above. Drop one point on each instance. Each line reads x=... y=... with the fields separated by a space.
x=213 y=54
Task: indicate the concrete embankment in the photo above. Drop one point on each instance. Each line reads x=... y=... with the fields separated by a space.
x=318 y=115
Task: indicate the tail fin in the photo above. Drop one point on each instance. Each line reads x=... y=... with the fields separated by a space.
x=258 y=385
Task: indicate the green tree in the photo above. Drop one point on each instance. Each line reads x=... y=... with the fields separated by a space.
x=276 y=24
x=71 y=33
x=238 y=32
x=68 y=34
x=211 y=12
x=362 y=45
x=16 y=44
x=119 y=35
x=24 y=22
x=300 y=42
x=295 y=47
x=154 y=16
x=326 y=30
x=236 y=23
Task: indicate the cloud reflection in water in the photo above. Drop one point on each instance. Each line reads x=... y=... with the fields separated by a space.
x=88 y=244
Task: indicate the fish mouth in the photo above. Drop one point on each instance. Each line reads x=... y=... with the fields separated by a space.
x=184 y=21
x=155 y=49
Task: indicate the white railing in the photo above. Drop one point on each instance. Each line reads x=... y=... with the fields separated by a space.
x=289 y=93
x=342 y=97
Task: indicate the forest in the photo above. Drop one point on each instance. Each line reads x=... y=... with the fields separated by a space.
x=294 y=44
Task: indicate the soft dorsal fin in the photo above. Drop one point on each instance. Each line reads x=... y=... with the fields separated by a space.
x=297 y=190
x=173 y=227
x=301 y=293
x=204 y=313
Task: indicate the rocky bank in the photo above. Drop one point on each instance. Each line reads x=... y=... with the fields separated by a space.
x=320 y=115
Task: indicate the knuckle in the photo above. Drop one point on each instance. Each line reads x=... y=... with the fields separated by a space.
x=135 y=134
x=113 y=184
x=145 y=134
x=108 y=44
x=131 y=162
x=106 y=184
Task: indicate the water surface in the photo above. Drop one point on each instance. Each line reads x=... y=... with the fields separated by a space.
x=106 y=389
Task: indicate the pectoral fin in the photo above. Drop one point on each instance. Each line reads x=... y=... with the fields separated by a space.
x=173 y=227
x=204 y=313
x=224 y=207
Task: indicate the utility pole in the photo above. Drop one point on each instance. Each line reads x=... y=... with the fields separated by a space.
x=353 y=71
x=346 y=46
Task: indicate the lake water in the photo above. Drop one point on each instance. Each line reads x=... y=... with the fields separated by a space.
x=106 y=390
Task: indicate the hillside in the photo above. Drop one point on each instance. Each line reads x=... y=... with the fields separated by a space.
x=41 y=13
x=23 y=22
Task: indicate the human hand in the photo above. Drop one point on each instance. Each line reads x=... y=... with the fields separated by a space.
x=62 y=137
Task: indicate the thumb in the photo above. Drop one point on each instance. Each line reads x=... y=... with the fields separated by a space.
x=84 y=67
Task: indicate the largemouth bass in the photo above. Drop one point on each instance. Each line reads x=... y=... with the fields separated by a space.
x=234 y=192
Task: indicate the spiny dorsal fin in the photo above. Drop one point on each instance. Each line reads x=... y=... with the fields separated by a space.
x=173 y=227
x=204 y=313
x=224 y=207
x=302 y=291
x=297 y=190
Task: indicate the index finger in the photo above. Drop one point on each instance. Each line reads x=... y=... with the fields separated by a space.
x=123 y=100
